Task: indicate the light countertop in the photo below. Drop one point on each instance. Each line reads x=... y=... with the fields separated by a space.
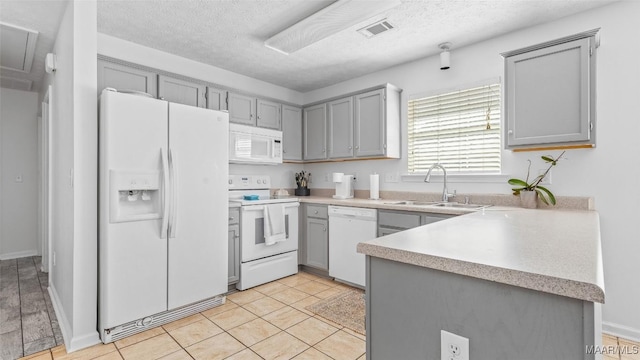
x=554 y=251
x=382 y=204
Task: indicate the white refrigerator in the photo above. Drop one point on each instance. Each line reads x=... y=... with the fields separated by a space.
x=163 y=212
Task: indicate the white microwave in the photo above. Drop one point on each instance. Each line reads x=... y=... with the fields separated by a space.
x=254 y=145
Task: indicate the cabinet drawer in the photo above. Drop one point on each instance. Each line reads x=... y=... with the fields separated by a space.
x=431 y=218
x=317 y=211
x=234 y=215
x=398 y=220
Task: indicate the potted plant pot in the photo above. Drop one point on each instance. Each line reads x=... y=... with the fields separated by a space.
x=528 y=199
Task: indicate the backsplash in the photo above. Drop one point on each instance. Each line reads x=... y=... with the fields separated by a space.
x=563 y=202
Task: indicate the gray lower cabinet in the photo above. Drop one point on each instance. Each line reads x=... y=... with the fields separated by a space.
x=393 y=221
x=317 y=237
x=234 y=245
x=121 y=77
x=550 y=93
x=340 y=121
x=216 y=99
x=291 y=133
x=314 y=125
x=409 y=305
x=181 y=91
x=269 y=114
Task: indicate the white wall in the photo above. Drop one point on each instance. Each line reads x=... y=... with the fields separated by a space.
x=18 y=157
x=73 y=276
x=602 y=172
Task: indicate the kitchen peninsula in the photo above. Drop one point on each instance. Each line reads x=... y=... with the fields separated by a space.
x=519 y=284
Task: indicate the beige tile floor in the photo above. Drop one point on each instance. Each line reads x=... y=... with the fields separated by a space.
x=267 y=322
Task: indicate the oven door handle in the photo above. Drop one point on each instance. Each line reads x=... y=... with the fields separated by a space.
x=261 y=207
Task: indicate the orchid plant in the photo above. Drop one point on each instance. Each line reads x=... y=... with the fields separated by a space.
x=543 y=193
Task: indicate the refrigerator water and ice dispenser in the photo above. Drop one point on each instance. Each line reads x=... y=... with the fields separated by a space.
x=135 y=195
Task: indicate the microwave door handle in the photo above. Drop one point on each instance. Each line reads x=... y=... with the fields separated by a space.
x=273 y=148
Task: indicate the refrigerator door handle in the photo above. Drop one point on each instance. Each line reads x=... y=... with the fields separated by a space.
x=165 y=195
x=174 y=196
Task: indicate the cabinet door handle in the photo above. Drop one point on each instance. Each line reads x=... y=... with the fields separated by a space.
x=231 y=218
x=350 y=147
x=258 y=117
x=357 y=147
x=315 y=212
x=510 y=132
x=324 y=229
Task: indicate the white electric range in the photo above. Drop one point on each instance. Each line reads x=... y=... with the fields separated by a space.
x=261 y=263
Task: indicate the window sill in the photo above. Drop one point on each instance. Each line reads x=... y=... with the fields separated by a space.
x=459 y=178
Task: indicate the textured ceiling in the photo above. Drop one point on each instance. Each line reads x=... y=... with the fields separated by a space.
x=42 y=16
x=230 y=33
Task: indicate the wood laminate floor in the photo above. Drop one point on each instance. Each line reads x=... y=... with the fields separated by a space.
x=28 y=323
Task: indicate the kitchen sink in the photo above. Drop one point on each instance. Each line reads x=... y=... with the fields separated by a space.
x=454 y=205
x=461 y=206
x=413 y=203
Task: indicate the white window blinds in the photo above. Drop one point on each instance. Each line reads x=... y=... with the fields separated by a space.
x=460 y=130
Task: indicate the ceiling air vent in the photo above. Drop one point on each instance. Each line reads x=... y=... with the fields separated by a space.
x=376 y=28
x=17 y=47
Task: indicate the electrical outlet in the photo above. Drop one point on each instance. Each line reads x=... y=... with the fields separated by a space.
x=547 y=179
x=453 y=347
x=391 y=177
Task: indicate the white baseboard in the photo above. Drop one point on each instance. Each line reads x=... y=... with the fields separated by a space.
x=622 y=331
x=84 y=341
x=18 y=254
x=71 y=343
x=63 y=321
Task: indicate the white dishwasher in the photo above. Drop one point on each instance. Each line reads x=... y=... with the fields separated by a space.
x=347 y=227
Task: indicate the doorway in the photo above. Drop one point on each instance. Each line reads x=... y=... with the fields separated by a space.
x=45 y=180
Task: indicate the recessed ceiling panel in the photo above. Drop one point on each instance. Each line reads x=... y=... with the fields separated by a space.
x=17 y=47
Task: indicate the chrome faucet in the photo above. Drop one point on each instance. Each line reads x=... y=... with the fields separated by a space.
x=445 y=193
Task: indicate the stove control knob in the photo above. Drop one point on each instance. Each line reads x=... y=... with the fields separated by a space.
x=230 y=181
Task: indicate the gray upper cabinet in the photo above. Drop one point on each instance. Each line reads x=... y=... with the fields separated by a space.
x=242 y=109
x=291 y=133
x=364 y=125
x=216 y=99
x=181 y=91
x=315 y=132
x=121 y=77
x=550 y=93
x=340 y=120
x=370 y=129
x=269 y=114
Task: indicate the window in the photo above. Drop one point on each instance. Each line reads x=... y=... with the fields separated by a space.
x=460 y=130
